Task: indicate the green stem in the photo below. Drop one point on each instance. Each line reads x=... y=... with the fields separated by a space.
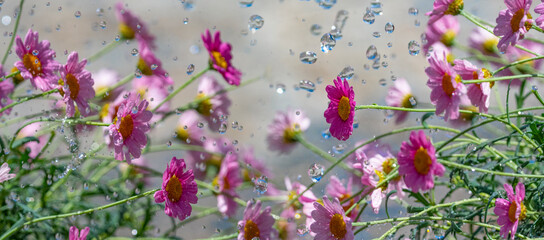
x=458 y=165
x=103 y=51
x=537 y=95
x=27 y=99
x=10 y=75
x=14 y=32
x=231 y=236
x=126 y=79
x=503 y=78
x=192 y=218
x=46 y=145
x=517 y=63
x=174 y=93
x=13 y=230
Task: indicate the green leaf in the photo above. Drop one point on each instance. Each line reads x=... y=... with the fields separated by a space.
x=386 y=200
x=424 y=118
x=17 y=143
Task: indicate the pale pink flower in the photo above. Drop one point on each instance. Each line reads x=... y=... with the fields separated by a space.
x=336 y=189
x=443 y=30
x=4 y=173
x=256 y=224
x=76 y=85
x=513 y=23
x=283 y=129
x=75 y=234
x=478 y=93
x=213 y=109
x=331 y=222
x=444 y=7
x=227 y=180
x=132 y=27
x=400 y=95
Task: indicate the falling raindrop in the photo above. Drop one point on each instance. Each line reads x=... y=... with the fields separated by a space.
x=383 y=82
x=371 y=52
x=369 y=17
x=339 y=149
x=376 y=7
x=326 y=4
x=134 y=52
x=302 y=230
x=190 y=69
x=315 y=29
x=308 y=57
x=413 y=11
x=326 y=134
x=102 y=24
x=246 y=3
x=306 y=85
x=6 y=20
x=280 y=88
x=413 y=48
x=347 y=73
x=376 y=34
x=389 y=27
x=77 y=14
x=223 y=128
x=327 y=42
x=185 y=20
x=316 y=172
x=256 y=22
x=261 y=184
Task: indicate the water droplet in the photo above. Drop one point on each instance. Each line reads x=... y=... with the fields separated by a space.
x=339 y=149
x=385 y=64
x=246 y=3
x=99 y=12
x=302 y=230
x=336 y=34
x=413 y=11
x=371 y=52
x=376 y=34
x=169 y=143
x=316 y=172
x=383 y=82
x=261 y=185
x=308 y=57
x=376 y=7
x=255 y=22
x=413 y=48
x=190 y=69
x=77 y=14
x=417 y=23
x=223 y=128
x=134 y=52
x=200 y=124
x=326 y=134
x=327 y=4
x=280 y=88
x=347 y=73
x=35 y=52
x=389 y=27
x=194 y=49
x=369 y=17
x=185 y=20
x=315 y=29
x=6 y=20
x=138 y=73
x=412 y=101
x=102 y=24
x=534 y=88
x=389 y=44
x=355 y=123
x=327 y=42
x=306 y=85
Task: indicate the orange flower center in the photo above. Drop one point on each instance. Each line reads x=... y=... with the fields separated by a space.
x=251 y=230
x=219 y=60
x=422 y=161
x=205 y=106
x=226 y=184
x=344 y=108
x=516 y=20
x=351 y=201
x=126 y=32
x=174 y=189
x=126 y=126
x=512 y=212
x=447 y=84
x=73 y=85
x=144 y=68
x=32 y=64
x=455 y=7
x=338 y=226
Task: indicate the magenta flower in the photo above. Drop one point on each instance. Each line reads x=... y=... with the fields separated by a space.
x=132 y=27
x=400 y=95
x=76 y=85
x=109 y=110
x=6 y=88
x=149 y=65
x=129 y=128
x=178 y=190
x=484 y=41
x=478 y=93
x=220 y=57
x=513 y=23
x=417 y=162
x=187 y=129
x=443 y=30
x=284 y=128
x=510 y=211
x=331 y=222
x=37 y=63
x=256 y=224
x=336 y=189
x=446 y=86
x=215 y=108
x=75 y=234
x=227 y=180
x=341 y=109
x=305 y=202
x=105 y=78
x=4 y=173
x=444 y=7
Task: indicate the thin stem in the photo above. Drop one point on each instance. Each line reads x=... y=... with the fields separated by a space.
x=14 y=32
x=53 y=133
x=103 y=51
x=126 y=79
x=517 y=63
x=27 y=99
x=503 y=78
x=10 y=75
x=13 y=230
x=458 y=165
x=537 y=95
x=171 y=95
x=323 y=154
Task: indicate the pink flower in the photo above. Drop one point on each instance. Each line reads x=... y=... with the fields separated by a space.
x=446 y=86
x=484 y=41
x=76 y=235
x=104 y=79
x=254 y=167
x=37 y=63
x=6 y=88
x=400 y=95
x=417 y=162
x=515 y=54
x=109 y=110
x=178 y=190
x=132 y=27
x=129 y=128
x=213 y=157
x=4 y=173
x=341 y=109
x=136 y=170
x=331 y=222
x=478 y=93
x=220 y=57
x=215 y=108
x=513 y=23
x=76 y=85
x=336 y=189
x=149 y=65
x=29 y=131
x=187 y=129
x=153 y=93
x=511 y=210
x=540 y=10
x=443 y=30
x=444 y=7
x=228 y=179
x=284 y=128
x=256 y=224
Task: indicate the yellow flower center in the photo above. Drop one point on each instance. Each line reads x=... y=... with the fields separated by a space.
x=174 y=189
x=512 y=212
x=516 y=20
x=455 y=7
x=447 y=84
x=32 y=64
x=126 y=126
x=490 y=45
x=422 y=161
x=144 y=68
x=126 y=32
x=406 y=103
x=251 y=230
x=290 y=133
x=182 y=134
x=338 y=226
x=527 y=67
x=344 y=108
x=104 y=111
x=468 y=116
x=226 y=184
x=17 y=78
x=448 y=37
x=205 y=106
x=487 y=74
x=219 y=60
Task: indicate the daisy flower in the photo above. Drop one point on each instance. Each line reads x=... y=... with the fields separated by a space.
x=331 y=222
x=220 y=57
x=37 y=63
x=446 y=86
x=540 y=10
x=284 y=128
x=484 y=41
x=443 y=30
x=400 y=95
x=104 y=79
x=417 y=162
x=227 y=180
x=132 y=27
x=336 y=189
x=212 y=109
x=150 y=65
x=75 y=234
x=76 y=85
x=154 y=94
x=510 y=211
x=187 y=129
x=445 y=7
x=256 y=223
x=513 y=23
x=178 y=190
x=478 y=93
x=6 y=88
x=341 y=109
x=4 y=173
x=129 y=128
